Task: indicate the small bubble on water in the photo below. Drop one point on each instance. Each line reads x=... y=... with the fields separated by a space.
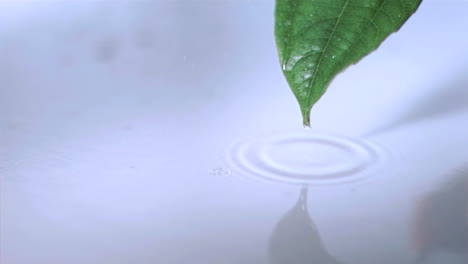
x=221 y=171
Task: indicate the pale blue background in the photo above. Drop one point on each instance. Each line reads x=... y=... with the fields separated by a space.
x=115 y=114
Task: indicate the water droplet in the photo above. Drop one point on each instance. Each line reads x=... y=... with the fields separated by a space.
x=221 y=171
x=291 y=62
x=303 y=94
x=314 y=48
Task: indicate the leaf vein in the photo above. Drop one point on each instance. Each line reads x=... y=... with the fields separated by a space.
x=325 y=49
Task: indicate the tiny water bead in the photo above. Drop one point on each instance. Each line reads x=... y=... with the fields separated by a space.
x=221 y=171
x=305 y=158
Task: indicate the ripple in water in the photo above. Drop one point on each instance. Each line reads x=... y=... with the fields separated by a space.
x=306 y=158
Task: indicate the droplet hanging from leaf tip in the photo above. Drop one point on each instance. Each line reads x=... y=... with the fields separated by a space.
x=306 y=116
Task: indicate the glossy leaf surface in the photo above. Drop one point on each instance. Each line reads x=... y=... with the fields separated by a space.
x=317 y=39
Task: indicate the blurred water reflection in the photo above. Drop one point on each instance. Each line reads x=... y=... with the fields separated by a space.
x=296 y=240
x=441 y=218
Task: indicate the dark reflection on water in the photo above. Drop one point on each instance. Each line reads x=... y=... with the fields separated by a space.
x=441 y=219
x=107 y=50
x=296 y=240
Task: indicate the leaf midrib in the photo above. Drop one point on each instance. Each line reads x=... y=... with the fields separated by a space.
x=312 y=81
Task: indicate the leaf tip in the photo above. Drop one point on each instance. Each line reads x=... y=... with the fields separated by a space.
x=306 y=116
x=306 y=122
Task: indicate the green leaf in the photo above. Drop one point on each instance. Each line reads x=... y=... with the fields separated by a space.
x=317 y=39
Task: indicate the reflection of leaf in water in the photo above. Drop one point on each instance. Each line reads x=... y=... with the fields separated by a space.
x=107 y=50
x=441 y=218
x=296 y=240
x=317 y=39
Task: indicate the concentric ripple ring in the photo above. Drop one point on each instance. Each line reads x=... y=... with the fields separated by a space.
x=305 y=158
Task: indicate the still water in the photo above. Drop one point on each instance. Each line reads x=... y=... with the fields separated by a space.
x=164 y=132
